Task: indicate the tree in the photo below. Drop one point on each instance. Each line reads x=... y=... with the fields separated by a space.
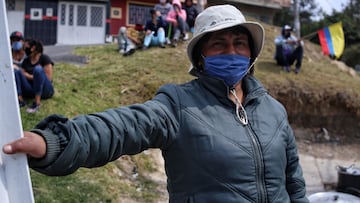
x=308 y=10
x=350 y=19
x=313 y=19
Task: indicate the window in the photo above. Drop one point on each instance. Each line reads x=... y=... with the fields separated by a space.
x=139 y=13
x=62 y=14
x=81 y=15
x=71 y=15
x=10 y=5
x=96 y=16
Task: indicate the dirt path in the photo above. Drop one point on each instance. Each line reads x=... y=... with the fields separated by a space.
x=321 y=144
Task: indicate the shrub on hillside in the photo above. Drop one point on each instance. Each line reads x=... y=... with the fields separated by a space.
x=351 y=55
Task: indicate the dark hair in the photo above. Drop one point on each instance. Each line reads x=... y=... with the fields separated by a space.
x=152 y=11
x=30 y=41
x=39 y=48
x=16 y=36
x=197 y=50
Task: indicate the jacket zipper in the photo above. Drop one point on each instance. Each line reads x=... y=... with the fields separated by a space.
x=259 y=166
x=242 y=116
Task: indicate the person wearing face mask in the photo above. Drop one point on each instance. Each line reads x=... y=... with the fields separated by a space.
x=27 y=46
x=222 y=136
x=16 y=36
x=34 y=78
x=17 y=48
x=288 y=50
x=18 y=54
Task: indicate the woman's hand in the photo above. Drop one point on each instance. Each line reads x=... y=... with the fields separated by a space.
x=31 y=144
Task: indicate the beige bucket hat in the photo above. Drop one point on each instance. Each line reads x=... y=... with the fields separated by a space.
x=220 y=17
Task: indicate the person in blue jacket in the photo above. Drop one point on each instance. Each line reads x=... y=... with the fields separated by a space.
x=222 y=136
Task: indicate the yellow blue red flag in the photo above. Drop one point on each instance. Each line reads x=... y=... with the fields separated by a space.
x=332 y=40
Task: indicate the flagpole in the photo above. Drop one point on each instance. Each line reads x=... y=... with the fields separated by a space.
x=15 y=182
x=309 y=36
x=297 y=18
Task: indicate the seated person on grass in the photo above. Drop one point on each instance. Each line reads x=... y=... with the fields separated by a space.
x=34 y=78
x=155 y=30
x=17 y=49
x=165 y=7
x=288 y=50
x=125 y=45
x=177 y=18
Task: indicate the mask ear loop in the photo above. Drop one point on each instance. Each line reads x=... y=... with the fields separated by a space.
x=240 y=110
x=253 y=63
x=241 y=115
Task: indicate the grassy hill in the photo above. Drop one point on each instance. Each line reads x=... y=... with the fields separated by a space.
x=322 y=94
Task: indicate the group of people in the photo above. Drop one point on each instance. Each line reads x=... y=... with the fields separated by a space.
x=33 y=71
x=169 y=22
x=223 y=137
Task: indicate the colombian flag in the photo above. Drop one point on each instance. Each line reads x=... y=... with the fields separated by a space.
x=332 y=40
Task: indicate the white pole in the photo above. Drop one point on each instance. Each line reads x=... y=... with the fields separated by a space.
x=15 y=182
x=297 y=18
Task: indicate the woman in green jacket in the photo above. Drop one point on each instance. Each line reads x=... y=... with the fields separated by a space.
x=222 y=136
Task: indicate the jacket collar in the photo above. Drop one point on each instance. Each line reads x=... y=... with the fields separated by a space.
x=250 y=85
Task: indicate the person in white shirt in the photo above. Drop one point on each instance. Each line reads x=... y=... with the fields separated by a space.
x=288 y=50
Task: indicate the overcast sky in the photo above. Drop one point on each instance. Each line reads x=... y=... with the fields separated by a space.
x=329 y=5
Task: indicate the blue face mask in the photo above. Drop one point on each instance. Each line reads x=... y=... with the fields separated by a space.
x=16 y=46
x=229 y=67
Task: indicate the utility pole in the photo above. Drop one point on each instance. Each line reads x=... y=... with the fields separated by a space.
x=297 y=18
x=201 y=5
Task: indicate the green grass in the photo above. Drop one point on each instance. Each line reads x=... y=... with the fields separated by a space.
x=110 y=80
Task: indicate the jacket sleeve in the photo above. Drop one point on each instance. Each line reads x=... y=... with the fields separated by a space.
x=295 y=183
x=96 y=139
x=279 y=40
x=147 y=26
x=161 y=22
x=182 y=14
x=171 y=17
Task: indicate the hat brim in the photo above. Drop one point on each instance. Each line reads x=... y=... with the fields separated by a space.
x=256 y=31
